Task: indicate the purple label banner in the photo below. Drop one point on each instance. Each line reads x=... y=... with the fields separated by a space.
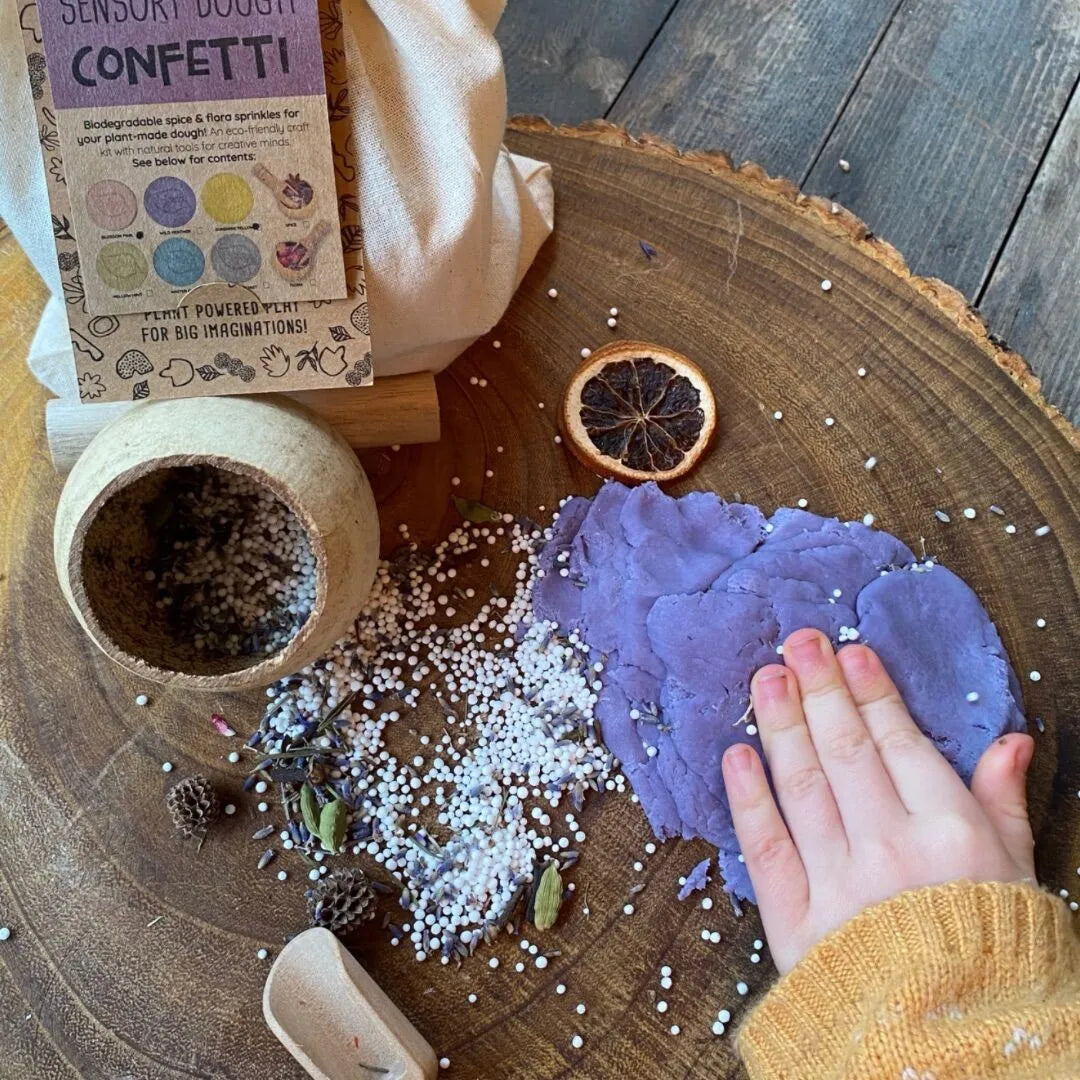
x=104 y=53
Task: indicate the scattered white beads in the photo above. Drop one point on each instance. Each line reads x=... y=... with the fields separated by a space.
x=5 y=933
x=845 y=165
x=829 y=421
x=706 y=903
x=826 y=285
x=742 y=989
x=166 y=766
x=262 y=954
x=1042 y=530
x=580 y=1008
x=724 y=1016
x=868 y=520
x=674 y=1029
x=444 y=1063
x=233 y=757
x=969 y=512
x=560 y=989
x=661 y=1006
x=1040 y=623
x=230 y=809
x=778 y=415
x=1034 y=676
x=586 y=353
x=251 y=591
x=861 y=372
x=141 y=699
x=553 y=293
x=870 y=463
x=972 y=696
x=577 y=1042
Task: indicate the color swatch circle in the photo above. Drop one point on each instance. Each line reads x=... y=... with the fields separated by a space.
x=178 y=261
x=235 y=258
x=227 y=198
x=170 y=201
x=122 y=266
x=111 y=205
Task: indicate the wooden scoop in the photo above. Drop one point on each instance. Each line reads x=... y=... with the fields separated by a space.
x=289 y=193
x=332 y=1017
x=293 y=259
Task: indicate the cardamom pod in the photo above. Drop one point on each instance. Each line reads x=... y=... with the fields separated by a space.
x=332 y=825
x=309 y=809
x=548 y=898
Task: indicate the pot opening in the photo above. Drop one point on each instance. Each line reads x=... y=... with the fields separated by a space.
x=198 y=569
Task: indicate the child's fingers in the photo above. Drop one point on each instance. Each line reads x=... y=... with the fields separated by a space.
x=772 y=860
x=998 y=786
x=921 y=776
x=801 y=784
x=862 y=788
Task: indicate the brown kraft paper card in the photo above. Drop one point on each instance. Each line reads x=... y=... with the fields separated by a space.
x=203 y=194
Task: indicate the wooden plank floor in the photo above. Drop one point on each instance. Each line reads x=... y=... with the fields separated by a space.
x=960 y=124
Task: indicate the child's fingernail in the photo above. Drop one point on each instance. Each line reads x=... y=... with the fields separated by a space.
x=771 y=685
x=739 y=759
x=803 y=646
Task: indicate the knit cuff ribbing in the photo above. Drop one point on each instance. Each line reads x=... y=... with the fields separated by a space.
x=896 y=962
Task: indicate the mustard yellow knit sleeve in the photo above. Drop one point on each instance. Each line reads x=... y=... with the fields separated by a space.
x=953 y=982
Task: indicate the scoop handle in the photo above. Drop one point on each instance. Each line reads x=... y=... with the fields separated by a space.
x=266 y=176
x=332 y=1016
x=317 y=235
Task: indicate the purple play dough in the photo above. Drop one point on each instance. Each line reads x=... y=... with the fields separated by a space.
x=686 y=598
x=697 y=879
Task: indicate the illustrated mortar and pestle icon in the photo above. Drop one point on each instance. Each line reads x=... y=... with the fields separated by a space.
x=295 y=196
x=293 y=259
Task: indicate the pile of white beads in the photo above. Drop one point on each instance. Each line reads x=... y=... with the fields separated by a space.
x=240 y=577
x=491 y=720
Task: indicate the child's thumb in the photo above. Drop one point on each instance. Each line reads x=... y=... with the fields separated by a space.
x=998 y=786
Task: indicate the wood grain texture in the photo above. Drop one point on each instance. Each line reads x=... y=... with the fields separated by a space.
x=1032 y=298
x=946 y=129
x=568 y=59
x=734 y=284
x=726 y=76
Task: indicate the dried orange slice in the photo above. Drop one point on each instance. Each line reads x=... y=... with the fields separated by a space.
x=635 y=412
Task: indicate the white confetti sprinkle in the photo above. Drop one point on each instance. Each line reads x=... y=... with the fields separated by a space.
x=826 y=285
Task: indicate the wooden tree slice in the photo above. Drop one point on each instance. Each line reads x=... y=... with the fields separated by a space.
x=132 y=954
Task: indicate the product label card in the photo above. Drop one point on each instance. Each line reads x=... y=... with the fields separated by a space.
x=202 y=183
x=195 y=134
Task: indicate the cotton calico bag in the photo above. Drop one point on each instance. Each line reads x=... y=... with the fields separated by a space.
x=451 y=220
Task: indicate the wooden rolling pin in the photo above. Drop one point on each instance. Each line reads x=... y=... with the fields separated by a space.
x=396 y=409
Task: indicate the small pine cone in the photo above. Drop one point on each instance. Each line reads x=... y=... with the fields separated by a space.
x=193 y=804
x=340 y=899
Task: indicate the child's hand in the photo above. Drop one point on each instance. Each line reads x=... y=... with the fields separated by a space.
x=871 y=807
